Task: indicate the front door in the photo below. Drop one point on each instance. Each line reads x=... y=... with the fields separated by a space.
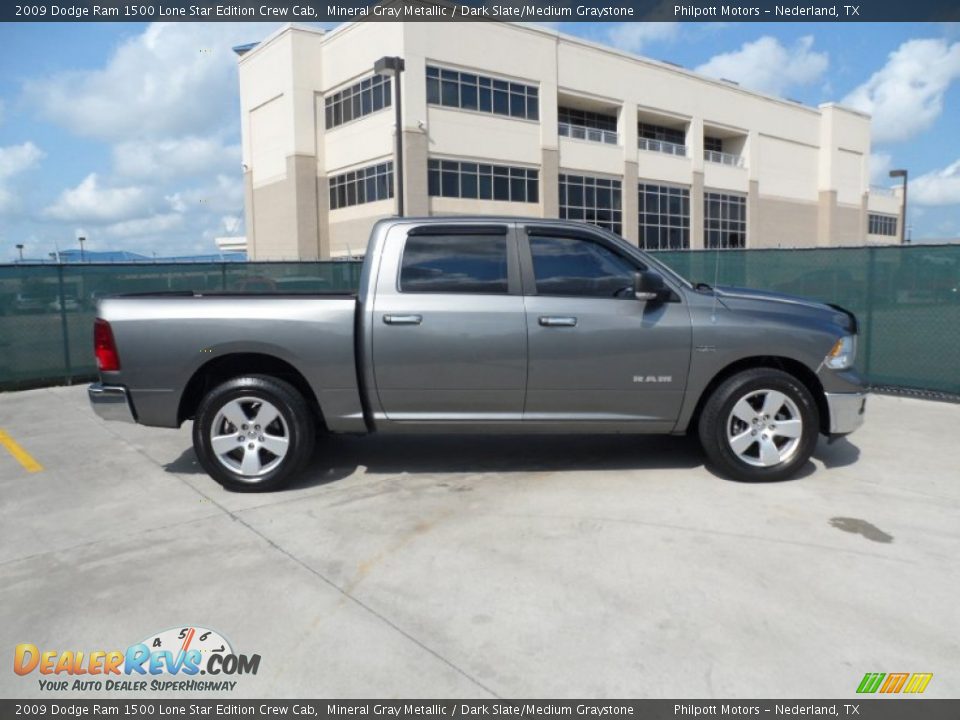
x=449 y=331
x=595 y=352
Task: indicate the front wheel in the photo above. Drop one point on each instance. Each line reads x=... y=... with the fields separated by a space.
x=253 y=433
x=759 y=425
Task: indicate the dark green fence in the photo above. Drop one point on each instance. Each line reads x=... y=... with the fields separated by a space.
x=906 y=298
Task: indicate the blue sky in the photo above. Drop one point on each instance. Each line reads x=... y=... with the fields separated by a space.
x=129 y=133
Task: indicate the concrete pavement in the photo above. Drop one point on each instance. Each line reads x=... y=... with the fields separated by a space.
x=482 y=566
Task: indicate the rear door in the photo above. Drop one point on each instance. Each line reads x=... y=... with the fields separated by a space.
x=595 y=352
x=449 y=327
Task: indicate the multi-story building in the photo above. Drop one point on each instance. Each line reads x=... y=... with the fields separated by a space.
x=507 y=119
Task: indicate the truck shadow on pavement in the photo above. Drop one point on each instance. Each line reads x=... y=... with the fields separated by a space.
x=339 y=457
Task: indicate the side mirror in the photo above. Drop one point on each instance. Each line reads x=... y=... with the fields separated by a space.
x=649 y=286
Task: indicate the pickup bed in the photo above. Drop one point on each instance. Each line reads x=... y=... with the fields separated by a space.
x=484 y=325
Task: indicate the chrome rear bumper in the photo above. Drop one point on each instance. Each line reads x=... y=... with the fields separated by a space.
x=846 y=411
x=111 y=402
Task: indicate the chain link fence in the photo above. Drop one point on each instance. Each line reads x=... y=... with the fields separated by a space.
x=907 y=300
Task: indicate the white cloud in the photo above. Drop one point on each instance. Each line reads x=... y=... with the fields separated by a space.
x=906 y=95
x=880 y=163
x=15 y=159
x=187 y=156
x=766 y=65
x=90 y=202
x=633 y=36
x=223 y=195
x=173 y=79
x=939 y=187
x=153 y=225
x=167 y=104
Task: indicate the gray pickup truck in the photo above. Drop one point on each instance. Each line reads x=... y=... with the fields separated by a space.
x=484 y=325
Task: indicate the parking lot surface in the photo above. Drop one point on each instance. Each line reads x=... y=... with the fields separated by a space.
x=492 y=566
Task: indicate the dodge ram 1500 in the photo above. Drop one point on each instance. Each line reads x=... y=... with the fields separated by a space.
x=484 y=325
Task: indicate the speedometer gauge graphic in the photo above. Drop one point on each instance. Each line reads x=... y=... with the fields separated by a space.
x=183 y=639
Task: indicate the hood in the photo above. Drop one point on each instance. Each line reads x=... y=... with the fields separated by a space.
x=731 y=296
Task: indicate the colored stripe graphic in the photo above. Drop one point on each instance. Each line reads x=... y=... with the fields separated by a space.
x=870 y=682
x=894 y=683
x=918 y=682
x=19 y=454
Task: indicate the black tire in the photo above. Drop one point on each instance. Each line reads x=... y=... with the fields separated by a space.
x=253 y=394
x=719 y=428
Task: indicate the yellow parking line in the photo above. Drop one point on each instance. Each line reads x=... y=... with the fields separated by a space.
x=21 y=455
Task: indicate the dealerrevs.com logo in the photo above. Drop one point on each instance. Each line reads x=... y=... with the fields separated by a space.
x=171 y=660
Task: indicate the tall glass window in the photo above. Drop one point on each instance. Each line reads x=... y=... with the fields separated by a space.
x=482 y=181
x=469 y=91
x=664 y=217
x=882 y=224
x=364 y=185
x=724 y=220
x=592 y=199
x=367 y=96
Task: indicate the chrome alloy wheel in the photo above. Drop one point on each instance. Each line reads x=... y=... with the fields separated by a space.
x=764 y=428
x=249 y=436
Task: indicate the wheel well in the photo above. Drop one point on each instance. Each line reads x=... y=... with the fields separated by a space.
x=223 y=368
x=794 y=367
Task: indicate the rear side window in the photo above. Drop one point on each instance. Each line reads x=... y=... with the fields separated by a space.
x=571 y=266
x=455 y=264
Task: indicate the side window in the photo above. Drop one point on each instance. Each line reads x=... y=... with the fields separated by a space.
x=571 y=266
x=455 y=264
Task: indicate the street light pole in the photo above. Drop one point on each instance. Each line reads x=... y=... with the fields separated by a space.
x=392 y=67
x=81 y=240
x=902 y=173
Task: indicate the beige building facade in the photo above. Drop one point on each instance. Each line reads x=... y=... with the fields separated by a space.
x=508 y=119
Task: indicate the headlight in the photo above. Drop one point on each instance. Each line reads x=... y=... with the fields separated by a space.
x=843 y=353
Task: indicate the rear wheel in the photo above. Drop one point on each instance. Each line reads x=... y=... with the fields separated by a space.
x=760 y=424
x=253 y=433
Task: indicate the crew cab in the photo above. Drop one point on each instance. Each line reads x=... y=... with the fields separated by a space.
x=484 y=325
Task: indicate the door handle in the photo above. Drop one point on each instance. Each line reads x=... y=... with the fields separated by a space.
x=403 y=319
x=552 y=321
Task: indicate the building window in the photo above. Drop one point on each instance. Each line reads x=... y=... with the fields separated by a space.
x=482 y=181
x=713 y=144
x=586 y=118
x=657 y=138
x=469 y=91
x=649 y=131
x=593 y=200
x=455 y=264
x=586 y=125
x=367 y=96
x=882 y=224
x=581 y=268
x=664 y=216
x=724 y=220
x=365 y=185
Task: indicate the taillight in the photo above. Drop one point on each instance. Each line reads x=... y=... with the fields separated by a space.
x=104 y=346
